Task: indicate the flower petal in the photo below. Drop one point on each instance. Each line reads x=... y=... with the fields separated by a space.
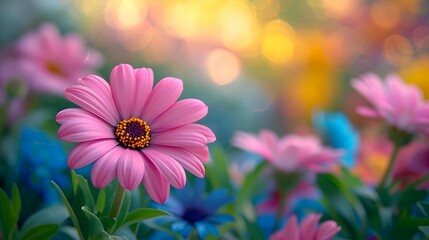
x=189 y=161
x=71 y=113
x=144 y=85
x=85 y=129
x=168 y=167
x=162 y=97
x=130 y=169
x=327 y=230
x=201 y=153
x=179 y=138
x=253 y=144
x=123 y=85
x=181 y=113
x=308 y=226
x=85 y=153
x=194 y=127
x=156 y=185
x=93 y=101
x=104 y=170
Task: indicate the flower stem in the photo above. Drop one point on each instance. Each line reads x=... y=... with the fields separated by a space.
x=282 y=205
x=117 y=202
x=393 y=157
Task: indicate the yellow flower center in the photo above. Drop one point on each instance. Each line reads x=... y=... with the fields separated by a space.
x=133 y=133
x=54 y=69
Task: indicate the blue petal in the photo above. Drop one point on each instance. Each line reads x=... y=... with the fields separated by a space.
x=204 y=228
x=185 y=232
x=220 y=218
x=217 y=199
x=179 y=226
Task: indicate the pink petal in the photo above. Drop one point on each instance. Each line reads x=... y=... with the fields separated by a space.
x=308 y=226
x=201 y=153
x=144 y=85
x=87 y=152
x=269 y=138
x=104 y=170
x=168 y=167
x=162 y=97
x=123 y=85
x=327 y=230
x=130 y=169
x=291 y=229
x=189 y=161
x=367 y=112
x=179 y=138
x=156 y=186
x=85 y=129
x=253 y=144
x=93 y=101
x=71 y=113
x=181 y=113
x=195 y=128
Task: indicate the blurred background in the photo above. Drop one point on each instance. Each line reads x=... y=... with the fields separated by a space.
x=255 y=63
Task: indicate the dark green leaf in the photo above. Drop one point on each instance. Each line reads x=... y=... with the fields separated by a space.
x=74 y=181
x=95 y=227
x=40 y=232
x=109 y=223
x=55 y=214
x=142 y=214
x=69 y=209
x=8 y=218
x=83 y=184
x=101 y=201
x=123 y=212
x=16 y=201
x=424 y=230
x=424 y=207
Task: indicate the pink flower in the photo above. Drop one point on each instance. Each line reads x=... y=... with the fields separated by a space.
x=307 y=230
x=135 y=133
x=290 y=153
x=49 y=62
x=401 y=105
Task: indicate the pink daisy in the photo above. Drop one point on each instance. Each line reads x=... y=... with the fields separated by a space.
x=49 y=62
x=307 y=230
x=135 y=133
x=401 y=105
x=290 y=153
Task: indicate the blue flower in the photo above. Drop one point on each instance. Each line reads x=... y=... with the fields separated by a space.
x=193 y=209
x=42 y=159
x=339 y=132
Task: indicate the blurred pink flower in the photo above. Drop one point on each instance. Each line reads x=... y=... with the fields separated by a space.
x=401 y=105
x=49 y=62
x=135 y=133
x=374 y=155
x=307 y=230
x=290 y=153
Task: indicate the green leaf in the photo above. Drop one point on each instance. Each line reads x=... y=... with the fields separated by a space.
x=69 y=209
x=41 y=232
x=424 y=230
x=123 y=212
x=218 y=169
x=55 y=214
x=95 y=227
x=74 y=181
x=142 y=214
x=8 y=218
x=83 y=184
x=424 y=207
x=101 y=201
x=109 y=223
x=16 y=200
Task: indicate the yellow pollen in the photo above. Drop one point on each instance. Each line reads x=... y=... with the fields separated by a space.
x=133 y=133
x=54 y=68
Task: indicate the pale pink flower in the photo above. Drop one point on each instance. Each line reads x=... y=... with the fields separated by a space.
x=401 y=105
x=308 y=229
x=289 y=153
x=135 y=133
x=49 y=62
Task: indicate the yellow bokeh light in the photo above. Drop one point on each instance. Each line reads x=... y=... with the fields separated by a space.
x=125 y=14
x=277 y=44
x=385 y=14
x=223 y=66
x=238 y=25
